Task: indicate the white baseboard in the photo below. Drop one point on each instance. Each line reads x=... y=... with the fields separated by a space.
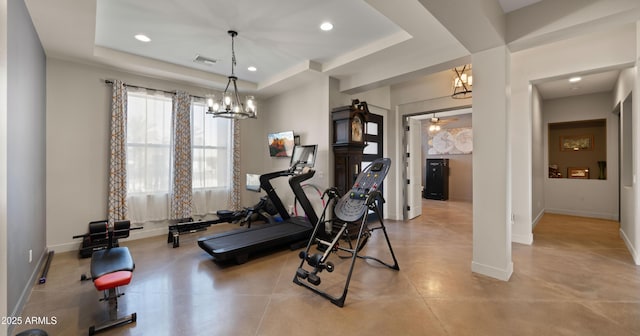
x=138 y=234
x=66 y=247
x=537 y=219
x=632 y=250
x=26 y=291
x=580 y=213
x=526 y=239
x=494 y=272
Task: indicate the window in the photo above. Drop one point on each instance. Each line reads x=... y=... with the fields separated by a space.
x=148 y=143
x=211 y=142
x=149 y=151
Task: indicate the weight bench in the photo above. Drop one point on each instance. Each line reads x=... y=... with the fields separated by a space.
x=112 y=268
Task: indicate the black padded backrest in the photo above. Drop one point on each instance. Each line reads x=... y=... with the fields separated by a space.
x=121 y=229
x=99 y=231
x=111 y=260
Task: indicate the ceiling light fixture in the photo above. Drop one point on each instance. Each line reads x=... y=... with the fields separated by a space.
x=252 y=68
x=434 y=127
x=229 y=105
x=326 y=26
x=575 y=79
x=463 y=82
x=142 y=38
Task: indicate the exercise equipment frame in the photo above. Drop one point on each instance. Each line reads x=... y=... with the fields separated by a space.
x=319 y=261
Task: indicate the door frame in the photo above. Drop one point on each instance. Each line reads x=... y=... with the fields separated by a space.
x=446 y=112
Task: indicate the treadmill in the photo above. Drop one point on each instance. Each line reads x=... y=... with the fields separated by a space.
x=293 y=231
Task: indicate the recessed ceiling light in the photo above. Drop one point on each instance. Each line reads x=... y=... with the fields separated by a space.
x=326 y=26
x=142 y=38
x=252 y=68
x=575 y=79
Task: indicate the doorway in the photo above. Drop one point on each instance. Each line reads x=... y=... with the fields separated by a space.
x=443 y=134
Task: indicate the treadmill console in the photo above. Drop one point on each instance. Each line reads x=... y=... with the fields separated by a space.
x=303 y=159
x=352 y=206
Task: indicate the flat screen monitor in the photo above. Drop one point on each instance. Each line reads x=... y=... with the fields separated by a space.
x=253 y=182
x=304 y=156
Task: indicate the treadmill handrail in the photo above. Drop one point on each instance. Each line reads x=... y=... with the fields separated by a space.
x=295 y=182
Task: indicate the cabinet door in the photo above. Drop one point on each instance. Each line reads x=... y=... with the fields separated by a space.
x=340 y=171
x=436 y=179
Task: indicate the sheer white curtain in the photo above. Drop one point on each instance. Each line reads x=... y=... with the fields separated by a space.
x=212 y=160
x=148 y=155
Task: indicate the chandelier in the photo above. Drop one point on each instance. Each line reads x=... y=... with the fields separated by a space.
x=230 y=106
x=435 y=126
x=462 y=83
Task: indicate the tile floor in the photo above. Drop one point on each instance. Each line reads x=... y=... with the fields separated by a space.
x=576 y=279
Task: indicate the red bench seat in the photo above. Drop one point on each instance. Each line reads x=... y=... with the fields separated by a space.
x=112 y=280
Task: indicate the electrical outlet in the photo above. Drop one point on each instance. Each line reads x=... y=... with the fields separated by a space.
x=30 y=256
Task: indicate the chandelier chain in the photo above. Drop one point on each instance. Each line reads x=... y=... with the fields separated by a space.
x=233 y=55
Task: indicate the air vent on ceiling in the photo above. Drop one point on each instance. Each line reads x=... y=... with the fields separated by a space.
x=205 y=60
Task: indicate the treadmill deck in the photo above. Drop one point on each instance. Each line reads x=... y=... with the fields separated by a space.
x=240 y=243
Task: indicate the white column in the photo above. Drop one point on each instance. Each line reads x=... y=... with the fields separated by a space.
x=491 y=174
x=635 y=107
x=3 y=163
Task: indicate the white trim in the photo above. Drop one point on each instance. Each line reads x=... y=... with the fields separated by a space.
x=490 y=271
x=634 y=253
x=26 y=291
x=526 y=239
x=537 y=219
x=135 y=235
x=580 y=213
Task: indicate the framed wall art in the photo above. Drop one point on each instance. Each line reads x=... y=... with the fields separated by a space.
x=572 y=143
x=578 y=173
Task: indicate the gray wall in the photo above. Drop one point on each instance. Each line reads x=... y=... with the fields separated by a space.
x=26 y=99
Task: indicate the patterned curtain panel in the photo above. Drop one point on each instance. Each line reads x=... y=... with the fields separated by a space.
x=234 y=195
x=118 y=159
x=181 y=194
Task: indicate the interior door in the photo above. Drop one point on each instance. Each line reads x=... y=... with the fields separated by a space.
x=414 y=168
x=373 y=138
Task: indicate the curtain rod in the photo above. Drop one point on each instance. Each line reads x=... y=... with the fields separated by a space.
x=108 y=81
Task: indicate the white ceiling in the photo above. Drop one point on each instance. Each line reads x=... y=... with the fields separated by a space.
x=272 y=35
x=373 y=43
x=589 y=83
x=511 y=5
